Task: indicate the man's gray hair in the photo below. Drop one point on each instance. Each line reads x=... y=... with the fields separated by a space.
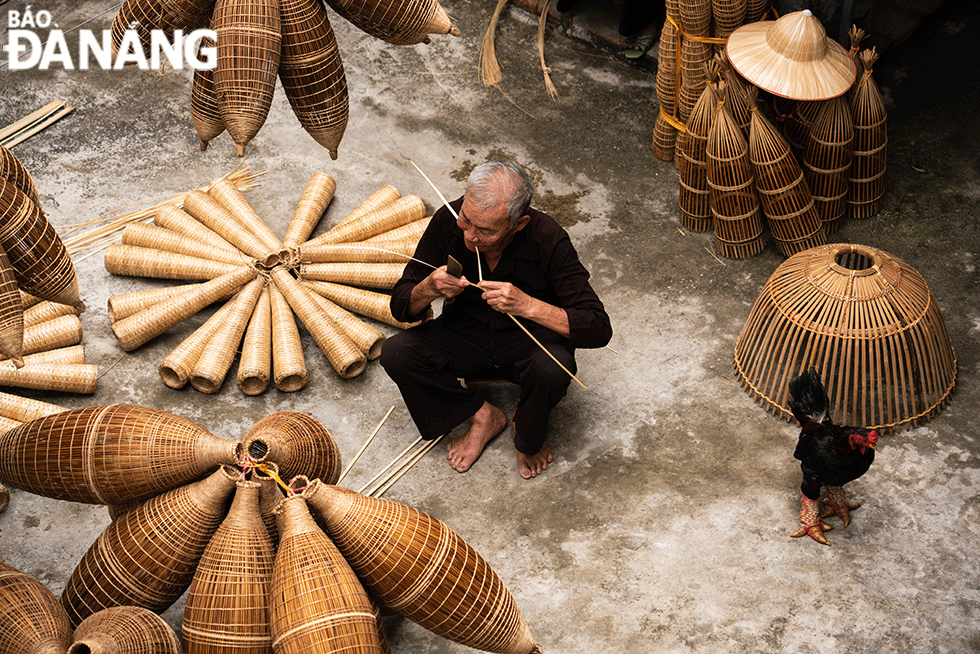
x=494 y=181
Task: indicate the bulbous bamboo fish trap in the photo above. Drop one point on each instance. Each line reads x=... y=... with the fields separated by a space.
x=205 y=105
x=399 y=22
x=867 y=321
x=419 y=567
x=870 y=143
x=12 y=170
x=31 y=619
x=827 y=161
x=298 y=444
x=124 y=630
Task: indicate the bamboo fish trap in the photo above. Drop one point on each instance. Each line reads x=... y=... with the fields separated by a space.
x=399 y=22
x=11 y=314
x=870 y=143
x=827 y=161
x=863 y=318
x=31 y=619
x=124 y=630
x=417 y=566
x=694 y=198
x=255 y=369
x=298 y=444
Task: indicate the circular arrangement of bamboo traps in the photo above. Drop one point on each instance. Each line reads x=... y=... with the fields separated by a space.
x=266 y=565
x=219 y=241
x=262 y=41
x=866 y=321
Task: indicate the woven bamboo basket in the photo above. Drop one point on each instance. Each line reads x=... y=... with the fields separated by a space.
x=398 y=22
x=147 y=556
x=31 y=619
x=175 y=369
x=227 y=607
x=12 y=170
x=4 y=497
x=178 y=220
x=827 y=161
x=270 y=495
x=343 y=355
x=205 y=105
x=297 y=443
x=368 y=339
x=110 y=454
x=249 y=47
x=312 y=72
x=783 y=191
x=728 y=15
x=25 y=409
x=402 y=211
x=366 y=303
x=693 y=198
x=370 y=275
x=255 y=367
x=756 y=10
x=381 y=198
x=67 y=355
x=139 y=16
x=288 y=365
x=411 y=232
x=60 y=378
x=870 y=143
x=863 y=318
x=736 y=219
x=135 y=261
x=44 y=311
x=11 y=314
x=158 y=238
x=124 y=630
x=317 y=602
x=37 y=254
x=419 y=567
x=399 y=252
x=232 y=199
x=186 y=15
x=126 y=304
x=219 y=352
x=149 y=323
x=316 y=196
x=664 y=134
x=216 y=217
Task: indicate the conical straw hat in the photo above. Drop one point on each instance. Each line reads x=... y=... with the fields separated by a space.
x=792 y=57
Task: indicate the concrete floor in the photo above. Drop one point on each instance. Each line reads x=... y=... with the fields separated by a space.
x=663 y=524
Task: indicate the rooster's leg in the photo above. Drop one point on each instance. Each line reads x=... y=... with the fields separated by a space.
x=837 y=504
x=810 y=522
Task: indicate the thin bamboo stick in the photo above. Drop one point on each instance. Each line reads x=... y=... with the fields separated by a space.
x=34 y=122
x=405 y=467
x=358 y=253
x=390 y=465
x=363 y=447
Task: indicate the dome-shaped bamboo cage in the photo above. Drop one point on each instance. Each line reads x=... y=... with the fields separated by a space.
x=868 y=323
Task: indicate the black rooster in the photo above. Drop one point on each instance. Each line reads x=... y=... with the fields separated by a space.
x=830 y=455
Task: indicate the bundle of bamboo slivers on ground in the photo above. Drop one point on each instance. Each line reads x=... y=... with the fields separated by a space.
x=306 y=571
x=39 y=301
x=784 y=134
x=260 y=40
x=218 y=239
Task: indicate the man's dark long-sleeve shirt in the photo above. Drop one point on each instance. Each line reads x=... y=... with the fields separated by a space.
x=540 y=260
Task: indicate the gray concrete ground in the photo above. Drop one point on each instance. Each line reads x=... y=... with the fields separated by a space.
x=663 y=524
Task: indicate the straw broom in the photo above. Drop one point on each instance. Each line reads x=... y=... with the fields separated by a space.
x=288 y=364
x=255 y=365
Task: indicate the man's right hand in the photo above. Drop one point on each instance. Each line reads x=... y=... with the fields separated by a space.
x=438 y=283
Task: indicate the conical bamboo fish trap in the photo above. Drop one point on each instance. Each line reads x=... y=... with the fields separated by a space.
x=870 y=144
x=376 y=306
x=216 y=217
x=205 y=105
x=783 y=192
x=136 y=261
x=411 y=232
x=737 y=97
x=317 y=602
x=255 y=367
x=31 y=619
x=159 y=238
x=70 y=354
x=11 y=314
x=737 y=221
x=402 y=211
x=25 y=409
x=227 y=607
x=288 y=364
x=110 y=454
x=139 y=17
x=756 y=10
x=124 y=630
x=419 y=567
x=693 y=198
x=59 y=332
x=249 y=47
x=232 y=199
x=44 y=311
x=59 y=377
x=868 y=323
x=37 y=254
x=12 y=170
x=384 y=196
x=316 y=196
x=371 y=275
x=343 y=355
x=827 y=161
x=664 y=134
x=359 y=252
x=177 y=220
x=398 y=22
x=728 y=15
x=175 y=369
x=147 y=556
x=126 y=304
x=297 y=443
x=368 y=339
x=312 y=72
x=186 y=15
x=696 y=17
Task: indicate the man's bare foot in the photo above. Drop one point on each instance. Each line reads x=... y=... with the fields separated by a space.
x=463 y=451
x=532 y=465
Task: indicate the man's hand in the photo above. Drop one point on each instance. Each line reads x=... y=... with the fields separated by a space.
x=438 y=283
x=507 y=298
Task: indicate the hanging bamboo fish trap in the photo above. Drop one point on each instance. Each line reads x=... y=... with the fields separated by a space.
x=417 y=566
x=664 y=134
x=694 y=198
x=297 y=442
x=867 y=321
x=227 y=608
x=31 y=619
x=124 y=630
x=205 y=105
x=827 y=161
x=147 y=556
x=870 y=143
x=12 y=170
x=398 y=22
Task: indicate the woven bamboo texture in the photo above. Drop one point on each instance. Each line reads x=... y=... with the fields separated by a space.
x=255 y=369
x=176 y=367
x=368 y=339
x=135 y=16
x=126 y=304
x=205 y=105
x=398 y=22
x=178 y=220
x=232 y=199
x=249 y=46
x=298 y=444
x=11 y=314
x=395 y=252
x=159 y=238
x=317 y=602
x=366 y=303
x=61 y=378
x=827 y=161
x=756 y=10
x=693 y=197
x=25 y=409
x=12 y=170
x=216 y=217
x=56 y=333
x=111 y=454
x=124 y=630
x=402 y=211
x=728 y=15
x=288 y=364
x=136 y=261
x=863 y=318
x=227 y=606
x=31 y=619
x=4 y=494
x=44 y=311
x=147 y=556
x=411 y=232
x=187 y=15
x=317 y=194
x=370 y=275
x=870 y=143
x=384 y=196
x=664 y=134
x=419 y=567
x=63 y=355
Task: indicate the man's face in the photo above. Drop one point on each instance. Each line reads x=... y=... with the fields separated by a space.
x=487 y=229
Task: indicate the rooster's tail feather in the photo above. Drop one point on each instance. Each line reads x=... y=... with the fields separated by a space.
x=808 y=400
